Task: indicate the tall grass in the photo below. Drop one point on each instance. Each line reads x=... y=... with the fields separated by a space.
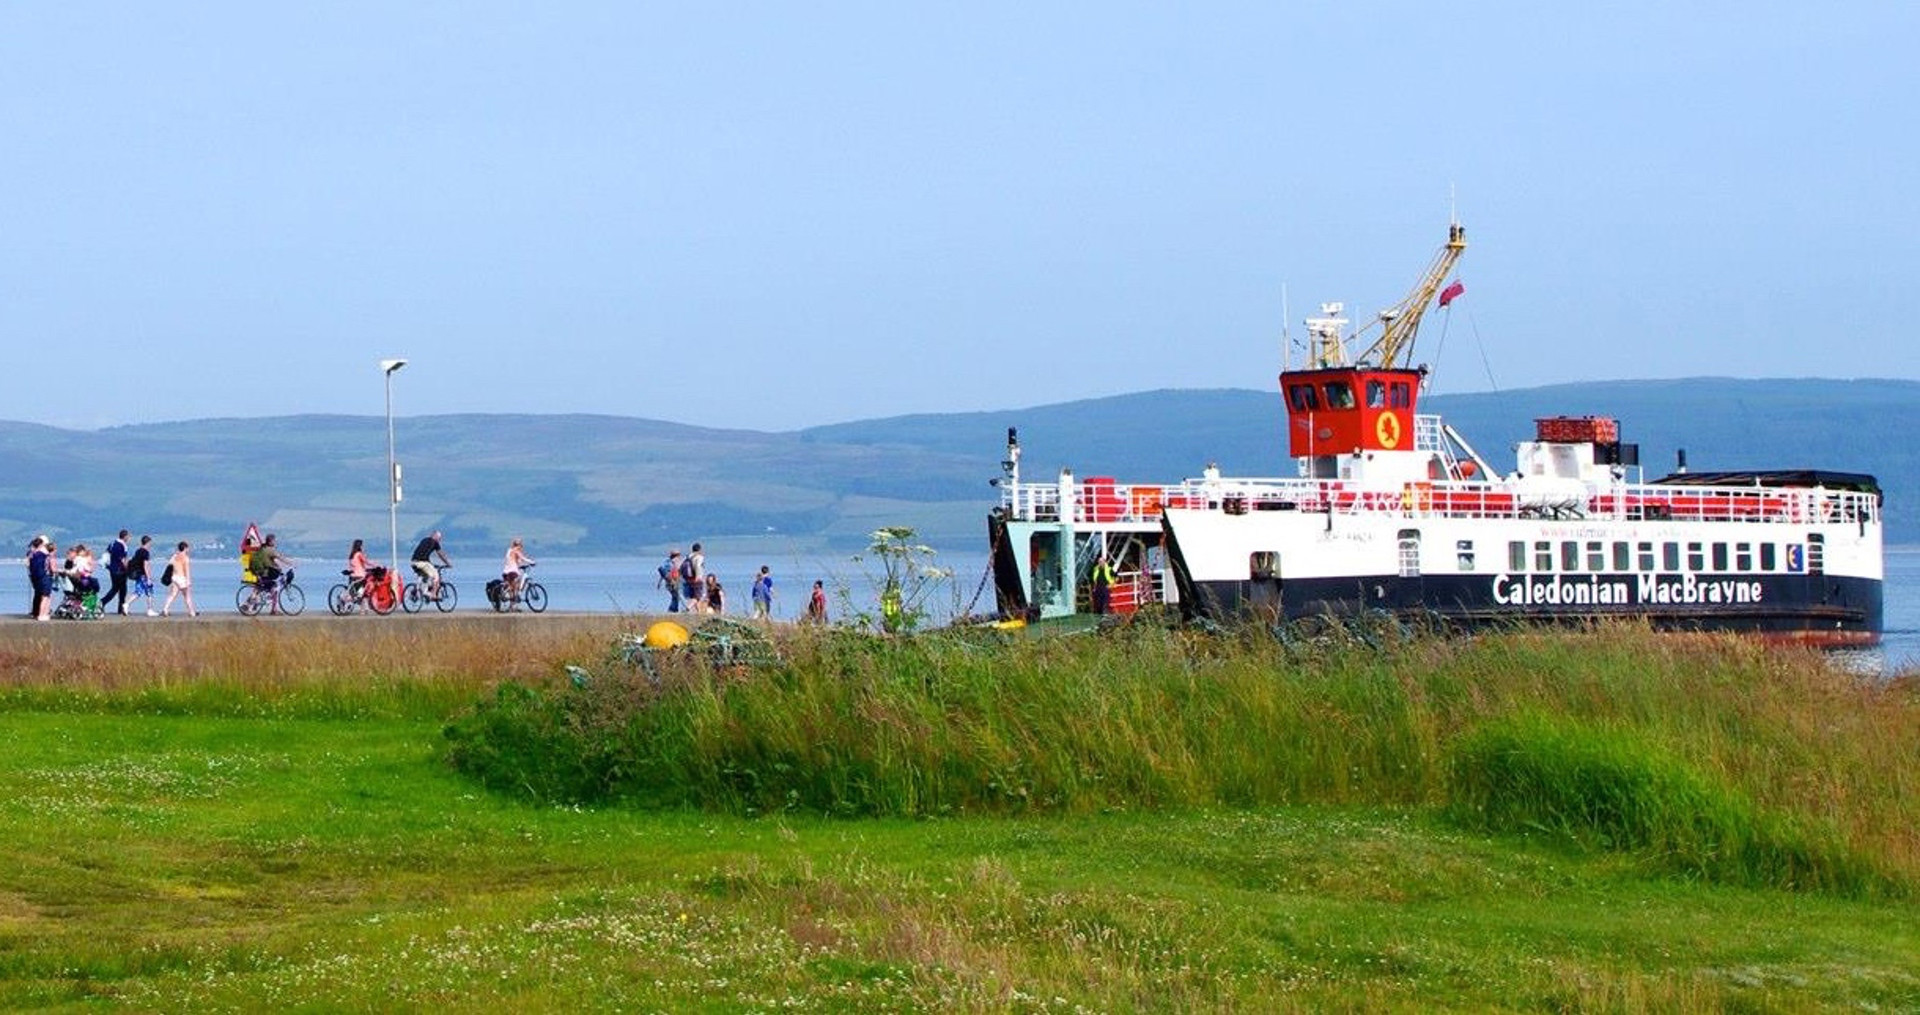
x=281 y=669
x=1611 y=789
x=1761 y=746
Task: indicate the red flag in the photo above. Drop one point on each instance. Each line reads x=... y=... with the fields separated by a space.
x=1452 y=292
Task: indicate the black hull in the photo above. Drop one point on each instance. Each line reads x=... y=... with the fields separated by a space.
x=1828 y=610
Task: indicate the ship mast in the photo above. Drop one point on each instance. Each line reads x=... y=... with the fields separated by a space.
x=1326 y=339
x=1399 y=323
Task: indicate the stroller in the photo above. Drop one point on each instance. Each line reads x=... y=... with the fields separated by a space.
x=76 y=603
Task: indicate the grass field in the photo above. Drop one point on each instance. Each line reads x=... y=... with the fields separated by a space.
x=226 y=833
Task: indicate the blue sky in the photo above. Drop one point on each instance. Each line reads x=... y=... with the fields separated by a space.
x=778 y=215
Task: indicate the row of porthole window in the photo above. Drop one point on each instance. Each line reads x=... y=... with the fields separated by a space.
x=1595 y=555
x=1598 y=556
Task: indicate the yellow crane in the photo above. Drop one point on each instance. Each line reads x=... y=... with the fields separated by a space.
x=1399 y=323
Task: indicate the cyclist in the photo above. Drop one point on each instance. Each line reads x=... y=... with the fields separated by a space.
x=510 y=571
x=269 y=563
x=357 y=569
x=422 y=561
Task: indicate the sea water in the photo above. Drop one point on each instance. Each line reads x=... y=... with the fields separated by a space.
x=631 y=584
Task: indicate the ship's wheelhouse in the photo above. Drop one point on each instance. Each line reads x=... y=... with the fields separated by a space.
x=1347 y=410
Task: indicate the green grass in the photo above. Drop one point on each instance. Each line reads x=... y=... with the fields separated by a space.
x=1708 y=757
x=305 y=845
x=240 y=864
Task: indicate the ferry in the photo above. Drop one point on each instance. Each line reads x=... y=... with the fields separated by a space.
x=1392 y=512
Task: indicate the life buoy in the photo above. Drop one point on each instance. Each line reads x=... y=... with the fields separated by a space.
x=1387 y=429
x=1465 y=470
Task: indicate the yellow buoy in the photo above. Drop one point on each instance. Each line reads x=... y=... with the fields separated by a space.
x=665 y=634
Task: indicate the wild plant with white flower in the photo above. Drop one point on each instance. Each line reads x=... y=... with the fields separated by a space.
x=903 y=577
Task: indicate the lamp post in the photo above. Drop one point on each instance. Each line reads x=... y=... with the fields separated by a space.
x=391 y=367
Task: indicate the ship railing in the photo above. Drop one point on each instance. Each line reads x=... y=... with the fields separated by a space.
x=1787 y=505
x=1644 y=502
x=1101 y=502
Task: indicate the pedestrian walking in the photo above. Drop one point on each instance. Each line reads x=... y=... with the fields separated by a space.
x=178 y=577
x=140 y=575
x=693 y=579
x=670 y=580
x=117 y=574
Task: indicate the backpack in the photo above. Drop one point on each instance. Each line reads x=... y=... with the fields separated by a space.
x=687 y=570
x=666 y=572
x=166 y=577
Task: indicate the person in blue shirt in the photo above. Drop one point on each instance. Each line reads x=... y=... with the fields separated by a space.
x=763 y=594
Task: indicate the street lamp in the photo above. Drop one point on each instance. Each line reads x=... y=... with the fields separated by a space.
x=391 y=367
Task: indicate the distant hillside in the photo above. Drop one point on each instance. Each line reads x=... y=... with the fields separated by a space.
x=583 y=484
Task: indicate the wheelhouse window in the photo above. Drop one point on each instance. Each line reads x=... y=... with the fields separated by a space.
x=1376 y=395
x=1339 y=395
x=1402 y=393
x=1304 y=398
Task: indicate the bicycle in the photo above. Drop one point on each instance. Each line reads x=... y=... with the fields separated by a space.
x=282 y=597
x=373 y=592
x=414 y=598
x=531 y=593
